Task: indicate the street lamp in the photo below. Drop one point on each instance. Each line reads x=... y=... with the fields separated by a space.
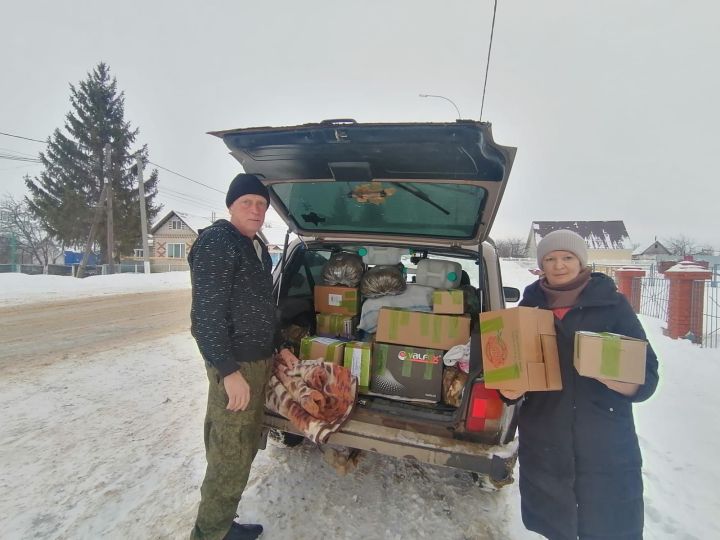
x=446 y=99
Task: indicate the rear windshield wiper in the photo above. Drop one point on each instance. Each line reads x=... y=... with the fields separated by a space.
x=417 y=192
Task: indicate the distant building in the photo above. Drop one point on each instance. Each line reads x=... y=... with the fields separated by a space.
x=651 y=252
x=605 y=240
x=174 y=234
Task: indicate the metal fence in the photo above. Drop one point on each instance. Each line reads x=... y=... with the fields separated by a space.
x=90 y=270
x=59 y=270
x=653 y=293
x=706 y=310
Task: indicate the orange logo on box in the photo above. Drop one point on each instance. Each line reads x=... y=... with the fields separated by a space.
x=422 y=358
x=496 y=350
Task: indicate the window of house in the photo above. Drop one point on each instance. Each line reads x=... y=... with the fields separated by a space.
x=176 y=224
x=4 y=216
x=176 y=251
x=138 y=253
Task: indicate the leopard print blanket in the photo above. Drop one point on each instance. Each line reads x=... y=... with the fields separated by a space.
x=317 y=397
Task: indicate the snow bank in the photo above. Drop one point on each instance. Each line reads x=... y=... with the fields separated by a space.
x=18 y=288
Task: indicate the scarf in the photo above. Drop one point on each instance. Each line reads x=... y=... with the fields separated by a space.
x=565 y=295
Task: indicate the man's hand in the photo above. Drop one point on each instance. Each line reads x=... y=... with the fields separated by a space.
x=512 y=394
x=238 y=391
x=624 y=388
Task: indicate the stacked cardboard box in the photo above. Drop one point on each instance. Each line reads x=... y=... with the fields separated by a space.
x=450 y=302
x=407 y=355
x=610 y=356
x=335 y=326
x=429 y=330
x=407 y=372
x=358 y=359
x=519 y=349
x=337 y=300
x=337 y=309
x=330 y=350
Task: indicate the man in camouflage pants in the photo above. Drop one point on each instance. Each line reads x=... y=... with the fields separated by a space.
x=233 y=323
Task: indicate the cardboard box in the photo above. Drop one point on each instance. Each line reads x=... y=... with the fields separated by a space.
x=407 y=372
x=519 y=349
x=358 y=359
x=610 y=356
x=419 y=329
x=449 y=302
x=335 y=326
x=337 y=300
x=329 y=349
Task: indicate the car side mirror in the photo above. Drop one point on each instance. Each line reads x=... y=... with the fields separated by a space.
x=511 y=294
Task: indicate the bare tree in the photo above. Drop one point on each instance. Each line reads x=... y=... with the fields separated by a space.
x=19 y=224
x=681 y=245
x=511 y=248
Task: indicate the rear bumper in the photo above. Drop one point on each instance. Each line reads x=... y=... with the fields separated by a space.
x=495 y=462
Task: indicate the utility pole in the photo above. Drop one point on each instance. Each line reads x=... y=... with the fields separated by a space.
x=109 y=222
x=143 y=213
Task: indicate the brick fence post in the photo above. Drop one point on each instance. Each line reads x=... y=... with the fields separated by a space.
x=624 y=278
x=680 y=299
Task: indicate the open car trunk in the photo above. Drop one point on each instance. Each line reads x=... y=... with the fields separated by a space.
x=429 y=190
x=302 y=271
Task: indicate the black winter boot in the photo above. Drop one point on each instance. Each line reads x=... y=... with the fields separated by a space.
x=244 y=531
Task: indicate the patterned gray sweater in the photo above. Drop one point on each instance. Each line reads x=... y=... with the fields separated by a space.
x=232 y=311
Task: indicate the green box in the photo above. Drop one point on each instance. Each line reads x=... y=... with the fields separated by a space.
x=335 y=326
x=358 y=359
x=329 y=349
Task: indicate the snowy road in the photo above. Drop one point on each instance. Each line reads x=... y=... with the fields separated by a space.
x=123 y=458
x=45 y=331
x=103 y=439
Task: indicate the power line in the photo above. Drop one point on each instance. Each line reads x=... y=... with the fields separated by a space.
x=189 y=196
x=21 y=137
x=195 y=202
x=194 y=215
x=17 y=157
x=17 y=152
x=185 y=177
x=19 y=167
x=487 y=65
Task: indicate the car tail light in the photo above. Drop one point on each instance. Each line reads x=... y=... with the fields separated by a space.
x=485 y=407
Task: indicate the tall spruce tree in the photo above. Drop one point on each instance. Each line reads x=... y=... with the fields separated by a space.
x=65 y=194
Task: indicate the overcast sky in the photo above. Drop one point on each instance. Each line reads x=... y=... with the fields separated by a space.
x=614 y=106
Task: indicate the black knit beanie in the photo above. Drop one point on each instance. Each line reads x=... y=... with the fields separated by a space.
x=245 y=184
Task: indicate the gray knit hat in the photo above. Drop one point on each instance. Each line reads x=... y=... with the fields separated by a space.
x=563 y=240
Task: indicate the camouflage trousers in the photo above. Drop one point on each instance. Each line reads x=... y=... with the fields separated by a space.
x=231 y=440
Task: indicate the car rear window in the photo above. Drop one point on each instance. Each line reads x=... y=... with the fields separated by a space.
x=434 y=209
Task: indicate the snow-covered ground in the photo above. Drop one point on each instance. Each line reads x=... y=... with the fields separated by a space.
x=110 y=446
x=23 y=289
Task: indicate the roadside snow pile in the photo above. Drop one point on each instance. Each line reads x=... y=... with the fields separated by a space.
x=24 y=289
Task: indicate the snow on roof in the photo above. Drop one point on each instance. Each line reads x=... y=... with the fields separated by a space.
x=597 y=234
x=196 y=223
x=655 y=248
